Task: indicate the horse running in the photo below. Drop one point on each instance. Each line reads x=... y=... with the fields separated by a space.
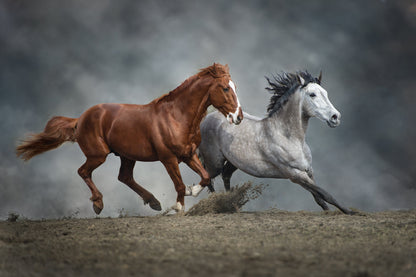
x=167 y=130
x=272 y=147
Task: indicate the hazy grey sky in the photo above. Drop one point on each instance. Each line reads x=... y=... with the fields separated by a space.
x=59 y=58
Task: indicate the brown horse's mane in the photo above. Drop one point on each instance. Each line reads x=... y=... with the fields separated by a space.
x=215 y=71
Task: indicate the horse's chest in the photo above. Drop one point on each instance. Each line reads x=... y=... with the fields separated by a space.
x=189 y=149
x=296 y=159
x=184 y=146
x=285 y=158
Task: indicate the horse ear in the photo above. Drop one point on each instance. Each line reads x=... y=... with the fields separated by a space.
x=227 y=67
x=320 y=77
x=301 y=80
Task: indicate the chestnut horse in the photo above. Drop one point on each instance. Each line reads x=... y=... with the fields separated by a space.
x=166 y=130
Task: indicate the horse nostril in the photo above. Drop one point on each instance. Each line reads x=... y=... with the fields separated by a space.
x=239 y=118
x=334 y=117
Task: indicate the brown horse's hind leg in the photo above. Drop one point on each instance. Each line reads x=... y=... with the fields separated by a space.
x=85 y=171
x=126 y=176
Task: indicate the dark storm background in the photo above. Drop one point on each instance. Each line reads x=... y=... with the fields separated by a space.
x=61 y=57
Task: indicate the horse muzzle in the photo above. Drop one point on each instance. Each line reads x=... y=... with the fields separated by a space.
x=235 y=117
x=334 y=121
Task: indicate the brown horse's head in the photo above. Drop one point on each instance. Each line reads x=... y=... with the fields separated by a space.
x=222 y=92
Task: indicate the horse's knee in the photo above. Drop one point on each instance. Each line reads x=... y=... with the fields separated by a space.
x=302 y=178
x=82 y=172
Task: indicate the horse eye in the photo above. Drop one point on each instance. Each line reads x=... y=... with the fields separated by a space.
x=225 y=89
x=312 y=95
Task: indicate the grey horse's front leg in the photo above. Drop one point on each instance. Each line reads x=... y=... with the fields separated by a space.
x=320 y=201
x=328 y=198
x=319 y=194
x=227 y=172
x=316 y=196
x=210 y=186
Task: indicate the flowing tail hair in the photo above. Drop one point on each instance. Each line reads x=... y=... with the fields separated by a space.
x=58 y=130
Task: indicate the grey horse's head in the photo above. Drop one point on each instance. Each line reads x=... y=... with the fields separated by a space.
x=315 y=102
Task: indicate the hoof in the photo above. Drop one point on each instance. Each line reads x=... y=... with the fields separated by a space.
x=179 y=208
x=180 y=213
x=98 y=206
x=350 y=212
x=97 y=203
x=154 y=204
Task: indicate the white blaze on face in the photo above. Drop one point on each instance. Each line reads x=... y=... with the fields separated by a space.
x=233 y=117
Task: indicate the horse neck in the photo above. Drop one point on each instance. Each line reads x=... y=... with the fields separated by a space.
x=289 y=120
x=191 y=101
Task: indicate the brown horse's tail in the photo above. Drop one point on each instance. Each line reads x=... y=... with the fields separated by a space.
x=58 y=130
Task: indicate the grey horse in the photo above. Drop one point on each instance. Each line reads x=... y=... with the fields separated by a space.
x=275 y=146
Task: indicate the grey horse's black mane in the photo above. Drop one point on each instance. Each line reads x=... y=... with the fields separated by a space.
x=283 y=86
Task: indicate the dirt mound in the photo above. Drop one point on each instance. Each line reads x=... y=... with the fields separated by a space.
x=227 y=202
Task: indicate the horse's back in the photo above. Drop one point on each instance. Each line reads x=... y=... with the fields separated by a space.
x=117 y=127
x=251 y=117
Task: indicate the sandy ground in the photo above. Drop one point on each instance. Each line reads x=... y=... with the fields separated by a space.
x=272 y=243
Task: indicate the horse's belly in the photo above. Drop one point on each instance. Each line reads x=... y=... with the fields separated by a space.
x=261 y=169
x=132 y=146
x=131 y=138
x=138 y=152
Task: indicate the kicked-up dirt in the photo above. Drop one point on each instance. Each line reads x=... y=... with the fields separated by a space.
x=271 y=243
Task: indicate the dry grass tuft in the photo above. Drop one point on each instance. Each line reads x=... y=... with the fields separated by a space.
x=227 y=202
x=13 y=217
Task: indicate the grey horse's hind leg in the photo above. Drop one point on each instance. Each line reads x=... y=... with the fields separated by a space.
x=227 y=172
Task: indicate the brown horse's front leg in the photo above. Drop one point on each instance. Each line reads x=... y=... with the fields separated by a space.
x=195 y=164
x=126 y=176
x=172 y=168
